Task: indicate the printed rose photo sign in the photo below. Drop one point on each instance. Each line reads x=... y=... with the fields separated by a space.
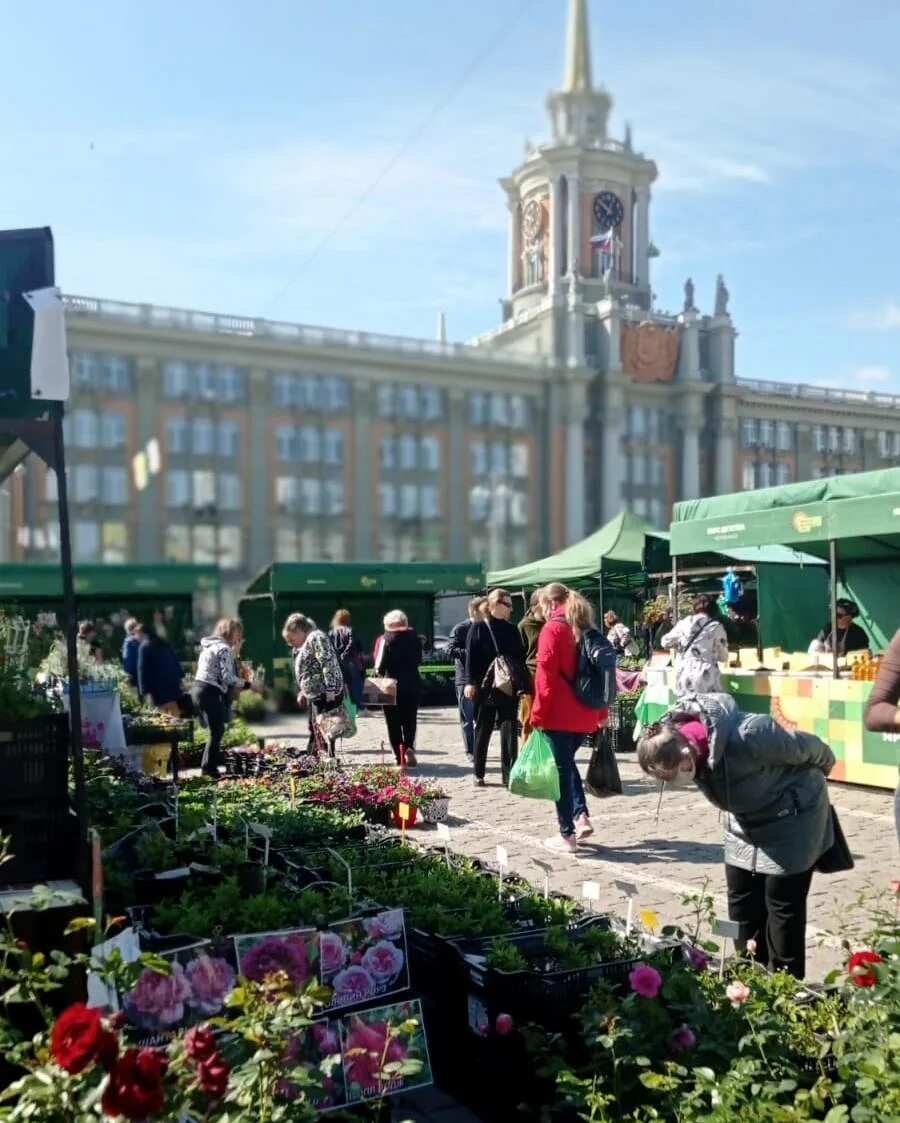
x=364 y=958
x=194 y=990
x=315 y=1054
x=384 y=1051
x=292 y=953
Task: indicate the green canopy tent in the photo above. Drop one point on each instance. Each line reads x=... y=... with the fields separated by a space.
x=853 y=521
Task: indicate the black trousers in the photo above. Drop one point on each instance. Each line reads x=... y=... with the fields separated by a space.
x=211 y=702
x=488 y=711
x=772 y=911
x=402 y=720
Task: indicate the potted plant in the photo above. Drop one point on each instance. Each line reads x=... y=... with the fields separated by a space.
x=435 y=804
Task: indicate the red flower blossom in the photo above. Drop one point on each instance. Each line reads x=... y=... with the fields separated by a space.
x=135 y=1088
x=213 y=1074
x=857 y=970
x=200 y=1043
x=78 y=1039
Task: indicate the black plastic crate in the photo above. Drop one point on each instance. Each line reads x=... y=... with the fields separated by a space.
x=34 y=759
x=43 y=843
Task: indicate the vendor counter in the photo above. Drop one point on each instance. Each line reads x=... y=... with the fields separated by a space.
x=818 y=703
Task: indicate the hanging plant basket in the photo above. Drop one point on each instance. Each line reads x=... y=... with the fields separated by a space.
x=436 y=810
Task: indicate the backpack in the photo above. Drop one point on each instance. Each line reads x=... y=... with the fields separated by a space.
x=595 y=671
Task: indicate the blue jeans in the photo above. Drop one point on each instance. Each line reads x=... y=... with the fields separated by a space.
x=466 y=720
x=571 y=801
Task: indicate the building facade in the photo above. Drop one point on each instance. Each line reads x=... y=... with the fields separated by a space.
x=237 y=441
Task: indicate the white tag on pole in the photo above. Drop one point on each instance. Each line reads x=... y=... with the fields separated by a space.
x=338 y=857
x=590 y=891
x=728 y=930
x=630 y=890
x=444 y=833
x=49 y=358
x=548 y=869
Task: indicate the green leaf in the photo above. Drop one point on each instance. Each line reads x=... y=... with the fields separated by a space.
x=78 y=923
x=837 y=1114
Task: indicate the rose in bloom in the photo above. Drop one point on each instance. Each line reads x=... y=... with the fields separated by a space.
x=369 y=1048
x=698 y=958
x=213 y=1076
x=326 y=1038
x=211 y=980
x=645 y=981
x=78 y=1039
x=751 y=947
x=503 y=1024
x=352 y=984
x=276 y=955
x=386 y=925
x=681 y=1039
x=157 y=1001
x=200 y=1043
x=135 y=1089
x=862 y=975
x=737 y=993
x=384 y=961
x=332 y=952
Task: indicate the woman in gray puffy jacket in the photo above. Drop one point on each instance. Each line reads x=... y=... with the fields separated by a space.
x=771 y=783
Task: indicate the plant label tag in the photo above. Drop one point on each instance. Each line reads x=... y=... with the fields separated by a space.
x=627 y=887
x=727 y=929
x=403 y=812
x=502 y=857
x=649 y=919
x=262 y=830
x=590 y=890
x=548 y=869
x=443 y=831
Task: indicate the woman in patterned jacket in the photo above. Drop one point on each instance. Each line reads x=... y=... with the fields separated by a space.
x=317 y=670
x=216 y=678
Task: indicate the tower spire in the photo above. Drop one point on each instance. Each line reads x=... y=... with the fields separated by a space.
x=578 y=50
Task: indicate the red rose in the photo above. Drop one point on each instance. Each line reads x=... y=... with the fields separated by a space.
x=857 y=970
x=200 y=1043
x=134 y=1088
x=78 y=1039
x=213 y=1074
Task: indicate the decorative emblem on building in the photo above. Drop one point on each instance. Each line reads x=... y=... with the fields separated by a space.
x=650 y=351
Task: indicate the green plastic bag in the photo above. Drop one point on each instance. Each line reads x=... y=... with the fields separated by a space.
x=534 y=775
x=351 y=711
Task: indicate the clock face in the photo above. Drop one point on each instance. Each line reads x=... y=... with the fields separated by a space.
x=608 y=210
x=532 y=221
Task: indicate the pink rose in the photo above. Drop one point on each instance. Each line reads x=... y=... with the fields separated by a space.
x=386 y=925
x=645 y=981
x=504 y=1024
x=352 y=985
x=368 y=1049
x=681 y=1039
x=274 y=955
x=211 y=980
x=157 y=1001
x=384 y=961
x=332 y=953
x=737 y=993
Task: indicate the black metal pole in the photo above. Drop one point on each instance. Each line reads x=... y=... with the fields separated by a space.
x=832 y=564
x=71 y=621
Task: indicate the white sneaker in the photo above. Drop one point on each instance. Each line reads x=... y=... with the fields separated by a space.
x=559 y=845
x=583 y=828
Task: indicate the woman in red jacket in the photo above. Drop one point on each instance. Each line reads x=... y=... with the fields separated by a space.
x=558 y=712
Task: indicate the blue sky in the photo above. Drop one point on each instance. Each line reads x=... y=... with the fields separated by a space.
x=194 y=154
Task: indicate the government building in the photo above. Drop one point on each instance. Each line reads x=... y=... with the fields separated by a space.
x=234 y=440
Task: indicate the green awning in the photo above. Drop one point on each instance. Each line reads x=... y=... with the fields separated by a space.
x=35 y=580
x=617 y=547
x=376 y=577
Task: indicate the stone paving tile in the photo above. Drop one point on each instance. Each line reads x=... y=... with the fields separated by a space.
x=666 y=858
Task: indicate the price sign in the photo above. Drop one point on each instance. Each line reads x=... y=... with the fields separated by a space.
x=627 y=887
x=502 y=857
x=548 y=869
x=403 y=812
x=590 y=891
x=728 y=930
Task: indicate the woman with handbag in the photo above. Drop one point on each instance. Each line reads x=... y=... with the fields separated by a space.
x=495 y=679
x=779 y=826
x=398 y=655
x=702 y=644
x=318 y=675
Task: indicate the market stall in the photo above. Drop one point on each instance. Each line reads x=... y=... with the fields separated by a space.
x=854 y=523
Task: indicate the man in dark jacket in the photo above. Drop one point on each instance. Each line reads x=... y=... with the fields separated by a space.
x=488 y=640
x=159 y=671
x=457 y=649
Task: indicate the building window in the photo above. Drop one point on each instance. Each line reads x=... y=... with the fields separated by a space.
x=430 y=502
x=232 y=384
x=782 y=474
x=409 y=401
x=311 y=496
x=287 y=491
x=86 y=544
x=518 y=460
x=748 y=479
x=114 y=487
x=229 y=438
x=115 y=543
x=849 y=442
x=176 y=435
x=819 y=438
x=407 y=449
x=309 y=445
x=432 y=403
x=387 y=500
x=203 y=436
x=178 y=544
x=748 y=433
x=519 y=413
x=884 y=442
x=656 y=513
x=178 y=490
x=478 y=458
x=639 y=470
x=204 y=492
x=115 y=374
x=499 y=409
x=767 y=434
x=204 y=381
x=409 y=501
x=112 y=430
x=311 y=392
x=229 y=491
x=286 y=442
x=636 y=422
x=766 y=474
x=231 y=551
x=834 y=438
x=334 y=446
x=387 y=452
x=518 y=509
x=286 y=547
x=176 y=380
x=499 y=458
x=284 y=390
x=478 y=409
x=384 y=401
x=51 y=487
x=87 y=483
x=784 y=436
x=334 y=497
x=479 y=504
x=85 y=429
x=337 y=393
x=84 y=370
x=430 y=454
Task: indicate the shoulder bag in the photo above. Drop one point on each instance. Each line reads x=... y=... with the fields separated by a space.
x=501 y=670
x=837 y=858
x=380 y=690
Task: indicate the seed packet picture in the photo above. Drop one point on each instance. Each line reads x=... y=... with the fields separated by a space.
x=291 y=954
x=385 y=1051
x=193 y=990
x=364 y=958
x=313 y=1066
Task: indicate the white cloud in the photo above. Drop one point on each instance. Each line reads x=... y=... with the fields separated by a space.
x=874 y=375
x=884 y=317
